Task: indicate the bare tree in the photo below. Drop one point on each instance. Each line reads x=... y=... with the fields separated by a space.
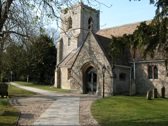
x=22 y=19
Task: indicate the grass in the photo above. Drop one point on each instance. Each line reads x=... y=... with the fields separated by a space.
x=14 y=91
x=8 y=114
x=44 y=87
x=130 y=111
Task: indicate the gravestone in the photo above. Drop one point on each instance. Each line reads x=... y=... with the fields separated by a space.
x=149 y=95
x=3 y=90
x=163 y=92
x=155 y=93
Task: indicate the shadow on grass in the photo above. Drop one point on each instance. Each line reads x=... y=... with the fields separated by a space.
x=3 y=101
x=130 y=111
x=10 y=113
x=138 y=122
x=9 y=118
x=134 y=123
x=7 y=124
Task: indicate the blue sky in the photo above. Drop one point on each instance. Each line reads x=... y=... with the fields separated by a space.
x=124 y=12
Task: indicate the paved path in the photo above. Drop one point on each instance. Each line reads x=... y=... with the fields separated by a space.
x=63 y=112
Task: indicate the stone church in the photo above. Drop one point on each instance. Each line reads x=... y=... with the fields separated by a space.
x=84 y=65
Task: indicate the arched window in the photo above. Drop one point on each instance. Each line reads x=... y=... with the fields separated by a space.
x=155 y=72
x=61 y=50
x=150 y=72
x=69 y=41
x=69 y=73
x=69 y=23
x=90 y=23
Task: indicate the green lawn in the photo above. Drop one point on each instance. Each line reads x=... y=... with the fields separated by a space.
x=14 y=91
x=8 y=114
x=130 y=111
x=44 y=87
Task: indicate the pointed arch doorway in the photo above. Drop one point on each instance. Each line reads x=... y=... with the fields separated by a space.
x=90 y=81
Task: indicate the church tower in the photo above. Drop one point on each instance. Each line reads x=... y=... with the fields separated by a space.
x=76 y=22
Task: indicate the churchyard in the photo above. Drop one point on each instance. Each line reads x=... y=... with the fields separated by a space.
x=108 y=111
x=130 y=111
x=8 y=114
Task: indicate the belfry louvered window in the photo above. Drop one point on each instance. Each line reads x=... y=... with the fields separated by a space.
x=90 y=24
x=69 y=23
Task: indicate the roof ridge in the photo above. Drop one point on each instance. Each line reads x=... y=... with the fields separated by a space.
x=134 y=23
x=64 y=59
x=74 y=52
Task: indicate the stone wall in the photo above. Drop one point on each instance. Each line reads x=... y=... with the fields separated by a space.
x=91 y=55
x=121 y=80
x=72 y=38
x=75 y=36
x=65 y=81
x=143 y=84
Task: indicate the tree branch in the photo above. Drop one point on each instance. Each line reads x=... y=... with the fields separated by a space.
x=13 y=32
x=5 y=13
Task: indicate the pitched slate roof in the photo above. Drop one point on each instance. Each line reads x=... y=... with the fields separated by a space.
x=127 y=29
x=103 y=37
x=69 y=59
x=119 y=30
x=104 y=43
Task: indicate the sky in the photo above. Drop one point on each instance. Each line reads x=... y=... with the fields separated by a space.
x=124 y=12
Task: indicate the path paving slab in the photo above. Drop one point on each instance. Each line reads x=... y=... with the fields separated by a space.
x=63 y=112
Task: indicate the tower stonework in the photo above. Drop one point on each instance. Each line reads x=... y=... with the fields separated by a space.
x=76 y=22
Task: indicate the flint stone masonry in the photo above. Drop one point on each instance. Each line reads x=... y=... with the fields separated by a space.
x=91 y=55
x=143 y=84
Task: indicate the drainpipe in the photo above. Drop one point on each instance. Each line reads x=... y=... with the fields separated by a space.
x=134 y=77
x=146 y=61
x=130 y=81
x=134 y=69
